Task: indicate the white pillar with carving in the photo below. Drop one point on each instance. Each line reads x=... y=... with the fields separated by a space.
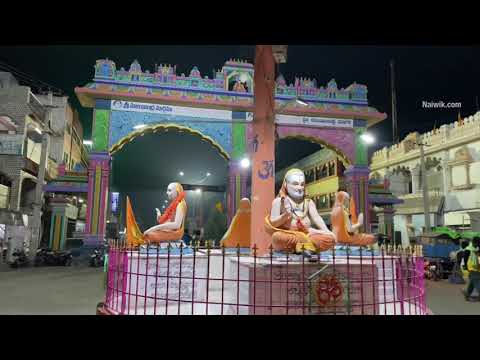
x=416 y=184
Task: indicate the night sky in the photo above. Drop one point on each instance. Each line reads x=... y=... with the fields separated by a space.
x=423 y=73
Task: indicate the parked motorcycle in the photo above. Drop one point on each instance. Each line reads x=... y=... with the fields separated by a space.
x=48 y=257
x=20 y=259
x=97 y=258
x=432 y=271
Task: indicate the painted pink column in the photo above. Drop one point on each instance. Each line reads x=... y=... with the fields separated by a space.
x=91 y=183
x=232 y=191
x=105 y=165
x=263 y=160
x=356 y=180
x=97 y=203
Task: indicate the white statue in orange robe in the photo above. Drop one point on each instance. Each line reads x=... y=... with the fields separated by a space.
x=171 y=224
x=291 y=219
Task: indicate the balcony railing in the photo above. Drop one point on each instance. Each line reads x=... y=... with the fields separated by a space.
x=37 y=107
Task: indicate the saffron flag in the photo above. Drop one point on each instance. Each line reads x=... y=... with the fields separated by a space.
x=134 y=235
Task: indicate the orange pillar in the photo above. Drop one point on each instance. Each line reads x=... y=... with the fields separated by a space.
x=263 y=160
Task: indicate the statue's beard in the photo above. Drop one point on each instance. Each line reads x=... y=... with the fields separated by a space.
x=297 y=196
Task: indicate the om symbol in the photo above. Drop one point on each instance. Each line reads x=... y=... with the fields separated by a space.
x=267 y=170
x=328 y=290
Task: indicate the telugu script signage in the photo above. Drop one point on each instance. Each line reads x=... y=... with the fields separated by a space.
x=169 y=110
x=11 y=144
x=314 y=121
x=349 y=289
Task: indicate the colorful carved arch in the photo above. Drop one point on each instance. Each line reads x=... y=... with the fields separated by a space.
x=343 y=157
x=165 y=128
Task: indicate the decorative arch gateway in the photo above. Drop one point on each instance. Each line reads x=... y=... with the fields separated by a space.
x=165 y=101
x=163 y=128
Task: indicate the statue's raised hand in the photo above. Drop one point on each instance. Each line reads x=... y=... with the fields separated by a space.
x=360 y=219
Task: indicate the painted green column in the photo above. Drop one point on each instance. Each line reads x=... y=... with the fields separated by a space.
x=58 y=227
x=237 y=188
x=361 y=149
x=98 y=176
x=356 y=177
x=101 y=124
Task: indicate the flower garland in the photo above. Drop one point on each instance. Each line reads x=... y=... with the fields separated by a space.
x=171 y=208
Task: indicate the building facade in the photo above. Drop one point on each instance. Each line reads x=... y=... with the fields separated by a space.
x=23 y=115
x=452 y=157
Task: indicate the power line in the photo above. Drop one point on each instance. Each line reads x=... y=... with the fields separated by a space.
x=19 y=72
x=28 y=78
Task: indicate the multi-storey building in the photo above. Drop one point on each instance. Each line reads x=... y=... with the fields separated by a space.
x=23 y=115
x=66 y=148
x=452 y=157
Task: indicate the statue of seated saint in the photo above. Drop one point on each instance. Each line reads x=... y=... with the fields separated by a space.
x=171 y=224
x=238 y=234
x=291 y=218
x=239 y=87
x=345 y=230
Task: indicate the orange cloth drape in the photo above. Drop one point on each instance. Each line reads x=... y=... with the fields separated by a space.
x=353 y=211
x=134 y=235
x=238 y=234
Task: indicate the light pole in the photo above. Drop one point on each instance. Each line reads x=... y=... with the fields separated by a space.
x=426 y=200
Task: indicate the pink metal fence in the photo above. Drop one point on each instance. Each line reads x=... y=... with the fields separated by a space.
x=220 y=281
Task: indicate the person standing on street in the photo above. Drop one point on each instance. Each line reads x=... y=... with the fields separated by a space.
x=471 y=255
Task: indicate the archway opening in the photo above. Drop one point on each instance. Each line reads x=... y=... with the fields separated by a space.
x=148 y=162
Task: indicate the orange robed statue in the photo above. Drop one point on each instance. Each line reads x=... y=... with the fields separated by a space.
x=170 y=225
x=345 y=230
x=292 y=218
x=238 y=234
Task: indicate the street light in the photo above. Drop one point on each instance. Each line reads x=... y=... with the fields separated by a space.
x=198 y=191
x=245 y=163
x=208 y=174
x=181 y=173
x=367 y=138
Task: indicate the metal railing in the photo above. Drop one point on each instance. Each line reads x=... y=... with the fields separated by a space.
x=182 y=280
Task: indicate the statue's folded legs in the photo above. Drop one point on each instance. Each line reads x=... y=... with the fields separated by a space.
x=282 y=241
